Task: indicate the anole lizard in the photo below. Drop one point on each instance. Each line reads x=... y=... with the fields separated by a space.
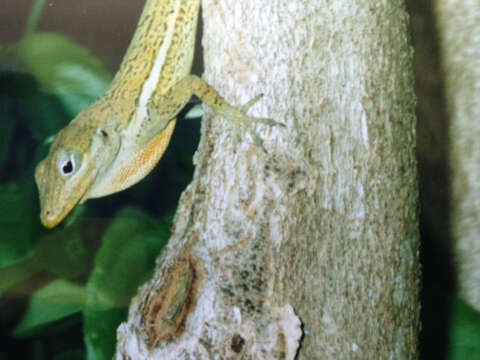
x=118 y=139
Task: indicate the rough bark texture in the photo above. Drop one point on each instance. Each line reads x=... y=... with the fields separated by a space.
x=458 y=26
x=321 y=227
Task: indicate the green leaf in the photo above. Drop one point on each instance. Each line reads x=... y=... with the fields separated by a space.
x=65 y=68
x=464 y=332
x=44 y=115
x=63 y=253
x=16 y=224
x=53 y=302
x=125 y=260
x=20 y=99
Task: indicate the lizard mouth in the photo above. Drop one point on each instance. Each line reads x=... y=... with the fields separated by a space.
x=50 y=216
x=50 y=219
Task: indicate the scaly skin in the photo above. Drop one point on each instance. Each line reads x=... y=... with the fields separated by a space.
x=117 y=140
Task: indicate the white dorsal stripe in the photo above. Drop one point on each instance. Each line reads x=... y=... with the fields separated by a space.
x=151 y=83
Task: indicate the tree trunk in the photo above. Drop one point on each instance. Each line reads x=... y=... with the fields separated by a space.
x=321 y=227
x=458 y=26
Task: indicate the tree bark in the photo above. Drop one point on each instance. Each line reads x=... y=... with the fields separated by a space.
x=322 y=226
x=458 y=27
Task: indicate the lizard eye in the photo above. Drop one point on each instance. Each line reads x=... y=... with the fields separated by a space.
x=67 y=164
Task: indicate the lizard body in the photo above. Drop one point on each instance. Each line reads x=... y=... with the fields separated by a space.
x=118 y=139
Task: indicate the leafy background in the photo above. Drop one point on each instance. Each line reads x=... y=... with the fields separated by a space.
x=63 y=292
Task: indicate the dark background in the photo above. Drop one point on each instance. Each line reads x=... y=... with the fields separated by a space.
x=103 y=26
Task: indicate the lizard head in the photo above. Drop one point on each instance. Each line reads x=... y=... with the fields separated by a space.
x=77 y=154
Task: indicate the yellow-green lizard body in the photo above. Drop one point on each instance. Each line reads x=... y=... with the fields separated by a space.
x=117 y=140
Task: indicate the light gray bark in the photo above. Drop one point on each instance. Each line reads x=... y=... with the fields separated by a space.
x=322 y=227
x=458 y=27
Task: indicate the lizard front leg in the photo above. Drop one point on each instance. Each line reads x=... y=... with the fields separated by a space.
x=178 y=95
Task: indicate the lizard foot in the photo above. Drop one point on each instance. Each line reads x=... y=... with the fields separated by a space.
x=237 y=117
